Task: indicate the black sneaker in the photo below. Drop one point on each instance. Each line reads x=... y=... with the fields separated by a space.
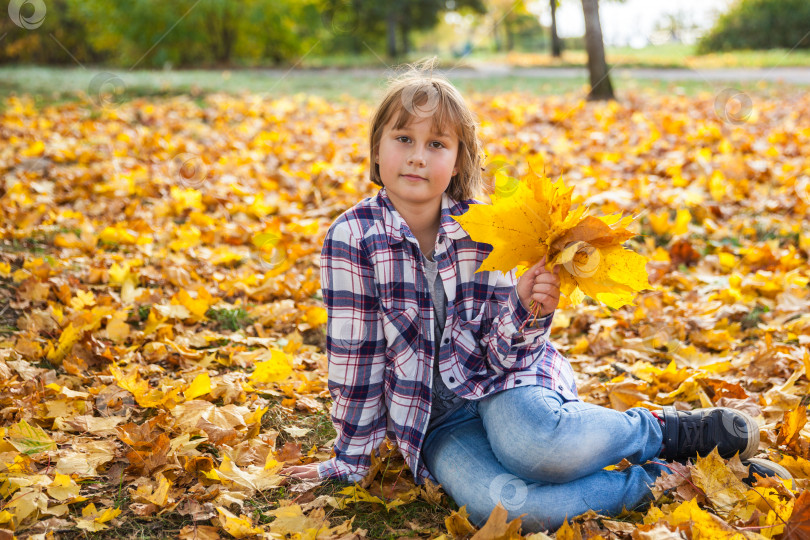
x=764 y=468
x=688 y=434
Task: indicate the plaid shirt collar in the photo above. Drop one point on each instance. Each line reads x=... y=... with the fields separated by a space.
x=396 y=229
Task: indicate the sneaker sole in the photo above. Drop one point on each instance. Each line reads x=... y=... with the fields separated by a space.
x=770 y=465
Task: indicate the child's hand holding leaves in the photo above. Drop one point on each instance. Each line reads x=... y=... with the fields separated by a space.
x=540 y=286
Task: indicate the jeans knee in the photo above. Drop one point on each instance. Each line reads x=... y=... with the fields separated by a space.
x=513 y=448
x=556 y=471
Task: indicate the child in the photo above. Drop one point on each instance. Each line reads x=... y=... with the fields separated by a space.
x=424 y=349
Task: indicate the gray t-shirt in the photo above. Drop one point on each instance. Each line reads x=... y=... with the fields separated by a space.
x=444 y=400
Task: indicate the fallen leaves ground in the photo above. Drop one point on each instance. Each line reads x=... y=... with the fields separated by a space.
x=162 y=342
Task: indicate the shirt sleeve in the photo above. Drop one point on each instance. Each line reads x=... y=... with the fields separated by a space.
x=509 y=347
x=355 y=348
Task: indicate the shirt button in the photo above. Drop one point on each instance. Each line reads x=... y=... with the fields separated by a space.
x=559 y=387
x=517 y=381
x=452 y=379
x=446 y=341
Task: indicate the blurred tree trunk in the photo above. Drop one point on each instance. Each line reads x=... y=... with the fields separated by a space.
x=556 y=44
x=597 y=66
x=391 y=31
x=404 y=32
x=510 y=35
x=221 y=26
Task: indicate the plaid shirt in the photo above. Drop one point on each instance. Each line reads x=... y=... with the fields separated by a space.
x=380 y=340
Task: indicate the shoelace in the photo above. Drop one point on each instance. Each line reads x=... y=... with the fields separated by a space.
x=692 y=435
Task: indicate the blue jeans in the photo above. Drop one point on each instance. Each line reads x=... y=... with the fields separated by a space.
x=535 y=453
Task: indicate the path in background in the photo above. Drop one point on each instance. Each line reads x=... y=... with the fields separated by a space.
x=787 y=75
x=48 y=85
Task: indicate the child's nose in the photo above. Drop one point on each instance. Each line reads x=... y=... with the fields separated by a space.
x=416 y=157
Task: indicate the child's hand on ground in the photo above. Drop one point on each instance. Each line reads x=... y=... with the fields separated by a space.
x=302 y=472
x=540 y=285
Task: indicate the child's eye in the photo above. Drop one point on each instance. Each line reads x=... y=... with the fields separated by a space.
x=437 y=144
x=401 y=137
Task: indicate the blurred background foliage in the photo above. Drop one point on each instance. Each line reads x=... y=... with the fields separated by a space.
x=760 y=24
x=216 y=33
x=267 y=33
x=261 y=33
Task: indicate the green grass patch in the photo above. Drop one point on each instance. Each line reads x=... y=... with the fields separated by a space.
x=231 y=319
x=415 y=519
x=54 y=86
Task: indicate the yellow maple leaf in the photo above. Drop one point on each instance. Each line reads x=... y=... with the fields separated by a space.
x=157 y=495
x=536 y=220
x=723 y=489
x=774 y=509
x=141 y=391
x=797 y=466
x=200 y=386
x=238 y=527
x=704 y=526
x=29 y=439
x=117 y=328
x=498 y=526
x=196 y=305
x=291 y=520
x=356 y=493
x=36 y=149
x=458 y=524
x=83 y=299
x=95 y=520
x=117 y=235
x=67 y=340
x=316 y=316
x=566 y=532
x=275 y=369
x=186 y=198
x=188 y=236
x=26 y=502
x=63 y=488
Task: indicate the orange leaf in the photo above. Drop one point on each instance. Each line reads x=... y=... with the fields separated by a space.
x=792 y=424
x=798 y=526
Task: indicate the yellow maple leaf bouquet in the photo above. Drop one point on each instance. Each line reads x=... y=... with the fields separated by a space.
x=533 y=218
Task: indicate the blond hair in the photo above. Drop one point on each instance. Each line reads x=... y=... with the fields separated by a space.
x=419 y=92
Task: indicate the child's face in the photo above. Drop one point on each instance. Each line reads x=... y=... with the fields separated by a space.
x=416 y=163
